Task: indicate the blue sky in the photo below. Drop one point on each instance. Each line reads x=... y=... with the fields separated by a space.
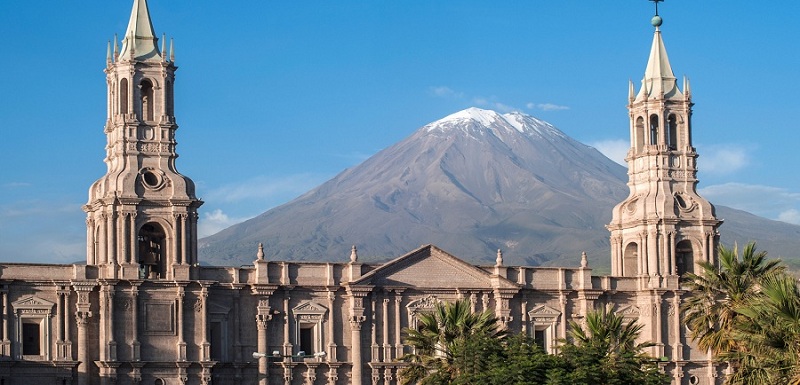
x=275 y=97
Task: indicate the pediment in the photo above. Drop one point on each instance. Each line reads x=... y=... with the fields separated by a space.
x=630 y=311
x=431 y=267
x=543 y=313
x=32 y=302
x=310 y=308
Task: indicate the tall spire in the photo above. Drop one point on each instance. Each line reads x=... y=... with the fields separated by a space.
x=140 y=42
x=658 y=76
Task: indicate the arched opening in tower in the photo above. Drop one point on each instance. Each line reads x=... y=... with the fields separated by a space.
x=630 y=260
x=123 y=96
x=672 y=127
x=148 y=100
x=684 y=257
x=640 y=134
x=653 y=129
x=152 y=251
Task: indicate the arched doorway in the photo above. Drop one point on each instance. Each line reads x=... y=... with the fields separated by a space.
x=684 y=257
x=152 y=251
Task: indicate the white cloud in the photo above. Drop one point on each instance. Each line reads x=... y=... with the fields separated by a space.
x=790 y=216
x=723 y=158
x=766 y=201
x=17 y=184
x=214 y=222
x=546 y=107
x=445 y=92
x=614 y=149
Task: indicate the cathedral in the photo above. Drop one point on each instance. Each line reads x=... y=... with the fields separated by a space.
x=142 y=311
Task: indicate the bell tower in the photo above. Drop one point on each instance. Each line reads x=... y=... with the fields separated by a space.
x=142 y=214
x=664 y=227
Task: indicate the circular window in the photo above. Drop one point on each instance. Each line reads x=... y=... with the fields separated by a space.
x=152 y=179
x=694 y=380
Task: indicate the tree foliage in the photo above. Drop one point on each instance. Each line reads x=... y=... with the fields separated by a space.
x=747 y=312
x=474 y=353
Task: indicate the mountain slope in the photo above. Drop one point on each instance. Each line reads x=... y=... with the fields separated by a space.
x=471 y=183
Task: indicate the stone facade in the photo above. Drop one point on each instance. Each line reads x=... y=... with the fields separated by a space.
x=142 y=310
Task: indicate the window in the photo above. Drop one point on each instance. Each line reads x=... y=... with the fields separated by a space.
x=152 y=243
x=640 y=133
x=672 y=126
x=33 y=316
x=308 y=318
x=123 y=96
x=630 y=260
x=543 y=321
x=684 y=258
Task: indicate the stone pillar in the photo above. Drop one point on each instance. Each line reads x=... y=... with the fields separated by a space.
x=111 y=233
x=6 y=343
x=356 y=320
x=331 y=327
x=134 y=252
x=91 y=250
x=398 y=298
x=205 y=346
x=135 y=345
x=387 y=347
x=237 y=327
x=82 y=315
x=123 y=232
x=181 y=258
x=181 y=345
x=263 y=316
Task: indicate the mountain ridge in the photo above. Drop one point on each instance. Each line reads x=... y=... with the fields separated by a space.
x=471 y=183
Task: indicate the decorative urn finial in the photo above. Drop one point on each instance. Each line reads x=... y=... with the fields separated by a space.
x=353 y=254
x=260 y=254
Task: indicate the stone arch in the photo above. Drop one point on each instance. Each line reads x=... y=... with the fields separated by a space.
x=123 y=96
x=672 y=132
x=147 y=98
x=639 y=134
x=685 y=257
x=152 y=251
x=630 y=260
x=653 y=129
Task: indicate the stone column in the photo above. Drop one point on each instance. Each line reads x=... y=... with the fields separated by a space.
x=387 y=347
x=111 y=233
x=398 y=298
x=181 y=345
x=91 y=251
x=123 y=232
x=263 y=316
x=184 y=242
x=101 y=258
x=356 y=319
x=133 y=255
x=135 y=345
x=205 y=346
x=331 y=327
x=5 y=330
x=82 y=315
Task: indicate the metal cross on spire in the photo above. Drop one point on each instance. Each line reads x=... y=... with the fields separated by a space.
x=656 y=3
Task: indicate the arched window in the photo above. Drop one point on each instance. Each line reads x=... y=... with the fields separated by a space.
x=148 y=101
x=672 y=126
x=684 y=258
x=640 y=134
x=630 y=260
x=152 y=251
x=654 y=129
x=123 y=96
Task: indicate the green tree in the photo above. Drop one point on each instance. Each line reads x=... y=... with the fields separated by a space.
x=606 y=352
x=768 y=335
x=710 y=310
x=447 y=342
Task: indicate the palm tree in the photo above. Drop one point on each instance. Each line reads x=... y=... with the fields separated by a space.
x=441 y=338
x=709 y=311
x=768 y=335
x=606 y=351
x=608 y=332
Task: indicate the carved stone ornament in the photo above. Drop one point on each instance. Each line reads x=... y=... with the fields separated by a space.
x=423 y=304
x=630 y=207
x=544 y=314
x=629 y=312
x=32 y=305
x=684 y=202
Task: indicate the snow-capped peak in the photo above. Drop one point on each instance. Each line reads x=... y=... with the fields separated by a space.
x=488 y=120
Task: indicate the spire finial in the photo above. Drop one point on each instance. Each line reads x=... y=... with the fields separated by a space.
x=164 y=47
x=260 y=254
x=499 y=260
x=584 y=260
x=171 y=50
x=108 y=53
x=353 y=254
x=116 y=47
x=656 y=21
